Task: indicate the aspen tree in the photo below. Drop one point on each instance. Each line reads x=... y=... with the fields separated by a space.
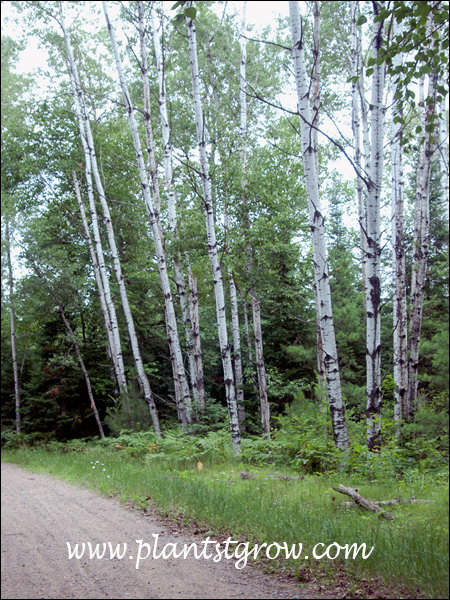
x=111 y=317
x=119 y=370
x=400 y=317
x=184 y=407
x=373 y=248
x=256 y=305
x=358 y=116
x=421 y=239
x=212 y=243
x=321 y=277
x=91 y=160
x=189 y=306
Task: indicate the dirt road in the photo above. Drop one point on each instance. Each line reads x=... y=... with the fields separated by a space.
x=40 y=514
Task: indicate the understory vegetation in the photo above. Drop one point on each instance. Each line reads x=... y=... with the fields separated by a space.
x=195 y=481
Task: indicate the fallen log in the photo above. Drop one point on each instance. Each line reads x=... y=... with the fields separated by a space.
x=361 y=501
x=398 y=500
x=246 y=475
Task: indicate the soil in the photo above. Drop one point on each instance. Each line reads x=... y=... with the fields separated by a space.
x=40 y=514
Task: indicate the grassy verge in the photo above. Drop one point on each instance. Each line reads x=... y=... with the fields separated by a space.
x=410 y=552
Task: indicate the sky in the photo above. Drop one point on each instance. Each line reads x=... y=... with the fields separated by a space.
x=259 y=14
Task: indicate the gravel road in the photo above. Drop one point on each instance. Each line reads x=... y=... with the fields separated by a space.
x=40 y=514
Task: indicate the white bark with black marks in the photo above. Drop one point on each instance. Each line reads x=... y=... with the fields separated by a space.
x=219 y=295
x=118 y=369
x=192 y=331
x=373 y=248
x=400 y=316
x=91 y=163
x=421 y=239
x=184 y=406
x=321 y=277
x=115 y=342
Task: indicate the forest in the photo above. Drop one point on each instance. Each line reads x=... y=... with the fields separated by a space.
x=228 y=242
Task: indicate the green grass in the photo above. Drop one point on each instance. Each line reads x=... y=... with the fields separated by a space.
x=411 y=551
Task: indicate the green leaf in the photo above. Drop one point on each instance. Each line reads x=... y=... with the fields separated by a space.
x=361 y=20
x=190 y=12
x=178 y=19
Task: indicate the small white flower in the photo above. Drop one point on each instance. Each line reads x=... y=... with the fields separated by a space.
x=108 y=476
x=93 y=467
x=104 y=470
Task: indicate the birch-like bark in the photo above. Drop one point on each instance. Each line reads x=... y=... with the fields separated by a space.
x=315 y=81
x=189 y=308
x=237 y=354
x=212 y=245
x=400 y=316
x=256 y=305
x=198 y=379
x=119 y=370
x=260 y=369
x=91 y=163
x=182 y=393
x=421 y=241
x=13 y=331
x=184 y=406
x=373 y=286
x=115 y=343
x=321 y=277
x=76 y=346
x=357 y=117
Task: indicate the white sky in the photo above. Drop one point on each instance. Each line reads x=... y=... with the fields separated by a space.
x=260 y=14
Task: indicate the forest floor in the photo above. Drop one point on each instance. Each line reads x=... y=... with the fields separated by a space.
x=40 y=514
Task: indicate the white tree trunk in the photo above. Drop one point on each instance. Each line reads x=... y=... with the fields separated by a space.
x=421 y=241
x=199 y=381
x=237 y=354
x=357 y=116
x=182 y=393
x=115 y=343
x=91 y=162
x=119 y=370
x=212 y=245
x=373 y=286
x=13 y=331
x=193 y=341
x=400 y=317
x=260 y=369
x=256 y=305
x=184 y=401
x=319 y=246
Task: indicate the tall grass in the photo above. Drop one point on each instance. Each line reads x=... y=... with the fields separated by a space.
x=411 y=551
